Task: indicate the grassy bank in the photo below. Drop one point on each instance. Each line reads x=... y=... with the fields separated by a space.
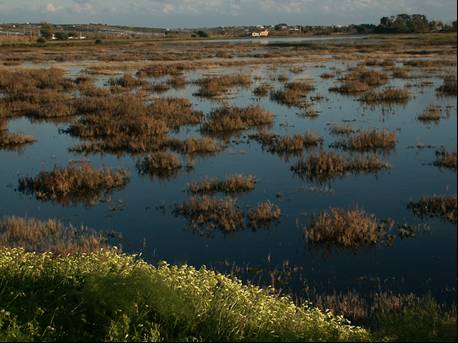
x=110 y=296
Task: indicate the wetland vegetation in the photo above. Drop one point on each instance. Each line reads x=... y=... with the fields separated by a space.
x=208 y=121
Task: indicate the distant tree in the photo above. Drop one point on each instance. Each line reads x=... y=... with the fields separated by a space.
x=202 y=34
x=46 y=30
x=60 y=35
x=404 y=23
x=41 y=40
x=98 y=41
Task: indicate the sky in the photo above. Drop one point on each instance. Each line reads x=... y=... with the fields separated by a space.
x=210 y=13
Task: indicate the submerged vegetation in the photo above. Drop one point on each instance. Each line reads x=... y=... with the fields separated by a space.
x=78 y=182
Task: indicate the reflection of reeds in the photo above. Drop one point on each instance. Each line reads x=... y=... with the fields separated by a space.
x=78 y=182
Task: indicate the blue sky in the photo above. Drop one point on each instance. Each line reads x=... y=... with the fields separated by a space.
x=200 y=13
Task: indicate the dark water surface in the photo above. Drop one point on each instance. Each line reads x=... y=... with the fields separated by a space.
x=142 y=211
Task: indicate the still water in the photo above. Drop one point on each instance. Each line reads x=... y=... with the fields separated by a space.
x=142 y=211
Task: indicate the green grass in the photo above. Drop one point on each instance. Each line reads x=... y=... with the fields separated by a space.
x=110 y=296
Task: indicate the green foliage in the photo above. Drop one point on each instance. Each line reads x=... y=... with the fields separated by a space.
x=424 y=321
x=110 y=296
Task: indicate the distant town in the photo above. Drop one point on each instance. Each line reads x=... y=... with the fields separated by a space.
x=402 y=23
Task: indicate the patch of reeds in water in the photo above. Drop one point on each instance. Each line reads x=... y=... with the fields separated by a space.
x=161 y=164
x=387 y=96
x=351 y=229
x=369 y=140
x=448 y=86
x=287 y=144
x=175 y=112
x=231 y=118
x=431 y=114
x=13 y=140
x=230 y=185
x=444 y=207
x=328 y=165
x=445 y=159
x=263 y=215
x=206 y=213
x=293 y=93
x=49 y=235
x=78 y=182
x=216 y=86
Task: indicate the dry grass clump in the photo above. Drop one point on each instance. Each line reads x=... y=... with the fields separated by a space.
x=445 y=159
x=328 y=75
x=448 y=86
x=194 y=146
x=158 y=70
x=117 y=123
x=12 y=140
x=231 y=118
x=328 y=165
x=208 y=212
x=387 y=96
x=125 y=81
x=293 y=93
x=263 y=215
x=262 y=90
x=161 y=164
x=78 y=182
x=360 y=80
x=215 y=86
x=401 y=73
x=432 y=114
x=369 y=140
x=176 y=112
x=177 y=81
x=287 y=144
x=346 y=228
x=232 y=184
x=342 y=129
x=51 y=235
x=444 y=207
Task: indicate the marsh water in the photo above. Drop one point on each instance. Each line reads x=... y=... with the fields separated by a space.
x=143 y=211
